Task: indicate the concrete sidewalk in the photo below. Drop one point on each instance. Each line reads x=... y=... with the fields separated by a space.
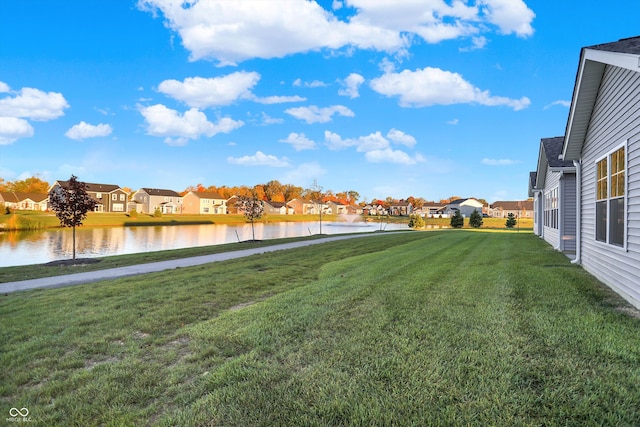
x=134 y=270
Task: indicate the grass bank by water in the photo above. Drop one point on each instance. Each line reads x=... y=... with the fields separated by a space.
x=440 y=328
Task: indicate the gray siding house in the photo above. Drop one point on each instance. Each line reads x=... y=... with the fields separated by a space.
x=555 y=196
x=603 y=139
x=150 y=199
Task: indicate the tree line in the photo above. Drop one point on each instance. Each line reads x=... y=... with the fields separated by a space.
x=272 y=191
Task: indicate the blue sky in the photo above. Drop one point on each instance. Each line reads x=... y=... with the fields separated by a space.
x=423 y=98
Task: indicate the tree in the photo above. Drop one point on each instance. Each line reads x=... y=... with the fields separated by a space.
x=475 y=220
x=252 y=208
x=29 y=185
x=273 y=191
x=416 y=221
x=315 y=194
x=71 y=203
x=511 y=220
x=353 y=196
x=290 y=192
x=457 y=221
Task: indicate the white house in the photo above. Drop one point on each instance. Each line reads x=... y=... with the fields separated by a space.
x=465 y=206
x=603 y=140
x=555 y=197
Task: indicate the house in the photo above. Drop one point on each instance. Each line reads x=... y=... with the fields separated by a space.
x=109 y=197
x=465 y=206
x=195 y=202
x=400 y=208
x=24 y=201
x=519 y=208
x=336 y=208
x=152 y=199
x=602 y=139
x=306 y=207
x=276 y=208
x=353 y=209
x=430 y=210
x=534 y=193
x=554 y=192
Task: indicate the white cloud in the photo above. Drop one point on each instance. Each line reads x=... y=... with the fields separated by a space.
x=453 y=122
x=313 y=84
x=392 y=156
x=299 y=141
x=179 y=128
x=268 y=120
x=277 y=99
x=499 y=162
x=511 y=16
x=400 y=137
x=559 y=102
x=202 y=92
x=259 y=159
x=233 y=31
x=433 y=86
x=351 y=85
x=13 y=128
x=84 y=130
x=315 y=114
x=4 y=87
x=476 y=43
x=34 y=104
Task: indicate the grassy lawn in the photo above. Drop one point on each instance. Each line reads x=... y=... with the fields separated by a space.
x=435 y=328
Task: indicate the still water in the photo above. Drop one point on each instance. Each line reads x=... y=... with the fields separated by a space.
x=22 y=248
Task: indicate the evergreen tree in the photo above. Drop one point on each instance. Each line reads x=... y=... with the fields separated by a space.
x=511 y=220
x=457 y=221
x=475 y=220
x=416 y=221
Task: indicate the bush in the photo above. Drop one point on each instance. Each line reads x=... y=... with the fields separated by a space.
x=511 y=221
x=133 y=213
x=157 y=213
x=416 y=221
x=457 y=221
x=475 y=220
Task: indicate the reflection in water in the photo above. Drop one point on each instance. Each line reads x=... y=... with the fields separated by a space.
x=37 y=247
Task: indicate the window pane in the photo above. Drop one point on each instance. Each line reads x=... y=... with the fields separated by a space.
x=620 y=191
x=616 y=223
x=601 y=221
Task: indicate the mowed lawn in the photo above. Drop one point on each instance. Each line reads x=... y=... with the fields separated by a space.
x=426 y=328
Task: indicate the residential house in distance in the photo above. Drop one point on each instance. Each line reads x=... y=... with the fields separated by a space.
x=276 y=208
x=555 y=196
x=337 y=208
x=204 y=203
x=602 y=138
x=465 y=206
x=150 y=199
x=431 y=210
x=110 y=197
x=519 y=208
x=24 y=201
x=302 y=206
x=400 y=208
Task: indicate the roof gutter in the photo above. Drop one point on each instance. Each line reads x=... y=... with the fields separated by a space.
x=578 y=166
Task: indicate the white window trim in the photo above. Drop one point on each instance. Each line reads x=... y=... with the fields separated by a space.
x=607 y=155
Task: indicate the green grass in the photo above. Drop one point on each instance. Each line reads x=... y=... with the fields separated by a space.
x=438 y=328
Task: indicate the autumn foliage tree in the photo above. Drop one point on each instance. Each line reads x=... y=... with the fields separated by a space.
x=253 y=208
x=71 y=203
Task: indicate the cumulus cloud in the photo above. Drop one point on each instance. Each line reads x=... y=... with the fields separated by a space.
x=33 y=104
x=433 y=86
x=277 y=99
x=13 y=128
x=498 y=162
x=4 y=87
x=313 y=84
x=233 y=31
x=179 y=128
x=314 y=114
x=350 y=85
x=400 y=137
x=199 y=92
x=299 y=141
x=84 y=130
x=392 y=156
x=376 y=147
x=259 y=159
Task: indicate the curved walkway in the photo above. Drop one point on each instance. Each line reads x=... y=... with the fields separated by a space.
x=134 y=270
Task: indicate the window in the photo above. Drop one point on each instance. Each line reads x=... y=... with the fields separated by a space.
x=610 y=198
x=551 y=208
x=114 y=197
x=122 y=197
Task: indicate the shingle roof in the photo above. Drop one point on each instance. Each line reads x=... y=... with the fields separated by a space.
x=208 y=195
x=553 y=149
x=514 y=205
x=532 y=179
x=160 y=192
x=94 y=188
x=629 y=45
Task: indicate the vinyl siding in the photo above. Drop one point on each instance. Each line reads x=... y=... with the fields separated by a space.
x=549 y=234
x=568 y=212
x=615 y=119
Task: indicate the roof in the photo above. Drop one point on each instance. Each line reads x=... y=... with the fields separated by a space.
x=207 y=195
x=276 y=205
x=624 y=53
x=552 y=150
x=514 y=205
x=160 y=192
x=94 y=188
x=532 y=182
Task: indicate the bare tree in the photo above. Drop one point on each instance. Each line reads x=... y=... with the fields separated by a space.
x=315 y=194
x=71 y=203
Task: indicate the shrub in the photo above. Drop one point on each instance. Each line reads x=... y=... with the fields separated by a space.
x=511 y=221
x=133 y=213
x=157 y=213
x=416 y=221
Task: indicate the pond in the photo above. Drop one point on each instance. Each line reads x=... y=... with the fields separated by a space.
x=23 y=248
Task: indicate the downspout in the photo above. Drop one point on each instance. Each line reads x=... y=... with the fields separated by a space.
x=578 y=166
